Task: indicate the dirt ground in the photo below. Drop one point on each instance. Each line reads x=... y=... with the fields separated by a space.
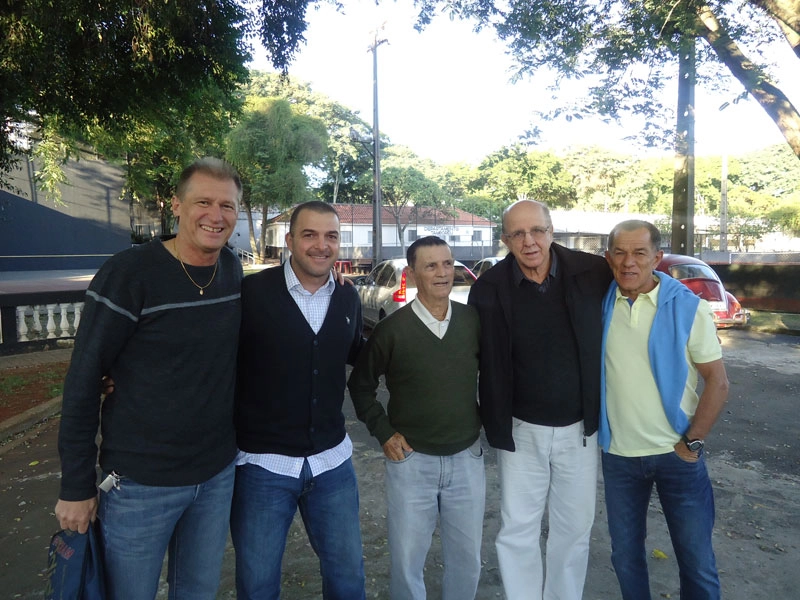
x=24 y=387
x=753 y=459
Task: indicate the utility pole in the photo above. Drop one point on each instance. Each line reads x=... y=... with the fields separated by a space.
x=683 y=190
x=376 y=153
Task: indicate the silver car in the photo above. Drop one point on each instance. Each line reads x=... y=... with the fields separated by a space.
x=485 y=264
x=387 y=288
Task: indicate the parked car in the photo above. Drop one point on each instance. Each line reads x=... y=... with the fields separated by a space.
x=485 y=264
x=387 y=288
x=704 y=282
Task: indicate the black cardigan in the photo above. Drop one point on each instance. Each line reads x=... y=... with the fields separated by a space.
x=291 y=382
x=586 y=278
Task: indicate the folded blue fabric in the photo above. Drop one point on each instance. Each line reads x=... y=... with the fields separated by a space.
x=75 y=566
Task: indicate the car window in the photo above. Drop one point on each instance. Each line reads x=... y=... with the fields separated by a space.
x=692 y=272
x=462 y=277
x=385 y=276
x=373 y=275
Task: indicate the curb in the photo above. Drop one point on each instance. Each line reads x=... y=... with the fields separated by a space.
x=25 y=420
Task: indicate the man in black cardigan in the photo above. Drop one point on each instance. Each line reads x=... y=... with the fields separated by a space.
x=299 y=329
x=539 y=400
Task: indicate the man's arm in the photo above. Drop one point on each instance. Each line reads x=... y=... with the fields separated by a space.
x=709 y=407
x=363 y=386
x=102 y=333
x=712 y=400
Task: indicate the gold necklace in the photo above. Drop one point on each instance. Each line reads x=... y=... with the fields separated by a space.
x=197 y=285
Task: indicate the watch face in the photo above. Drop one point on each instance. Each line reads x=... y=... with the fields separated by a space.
x=695 y=445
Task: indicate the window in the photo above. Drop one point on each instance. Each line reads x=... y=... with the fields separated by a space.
x=412 y=235
x=346 y=237
x=477 y=235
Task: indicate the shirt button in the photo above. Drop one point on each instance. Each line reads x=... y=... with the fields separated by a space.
x=316 y=372
x=314 y=401
x=316 y=342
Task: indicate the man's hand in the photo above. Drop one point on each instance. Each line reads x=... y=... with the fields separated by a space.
x=683 y=452
x=76 y=516
x=106 y=385
x=395 y=447
x=340 y=278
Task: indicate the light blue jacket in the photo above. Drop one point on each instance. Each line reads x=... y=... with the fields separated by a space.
x=669 y=335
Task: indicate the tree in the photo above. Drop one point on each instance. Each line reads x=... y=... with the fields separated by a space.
x=271 y=147
x=72 y=65
x=345 y=160
x=596 y=174
x=404 y=187
x=632 y=44
x=513 y=173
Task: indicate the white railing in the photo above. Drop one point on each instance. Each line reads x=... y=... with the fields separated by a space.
x=48 y=321
x=245 y=256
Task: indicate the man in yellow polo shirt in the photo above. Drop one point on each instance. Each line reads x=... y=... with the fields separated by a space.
x=657 y=337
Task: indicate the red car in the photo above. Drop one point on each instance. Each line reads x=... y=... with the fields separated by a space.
x=704 y=282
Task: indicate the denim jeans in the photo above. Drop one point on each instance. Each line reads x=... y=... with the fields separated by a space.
x=140 y=523
x=688 y=503
x=420 y=489
x=264 y=505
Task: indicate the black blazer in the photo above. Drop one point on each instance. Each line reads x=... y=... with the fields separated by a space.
x=586 y=278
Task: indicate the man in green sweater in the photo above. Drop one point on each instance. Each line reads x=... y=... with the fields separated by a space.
x=428 y=352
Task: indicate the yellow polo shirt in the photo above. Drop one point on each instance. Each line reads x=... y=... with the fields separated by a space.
x=639 y=425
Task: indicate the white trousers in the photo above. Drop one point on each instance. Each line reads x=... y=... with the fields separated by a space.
x=550 y=466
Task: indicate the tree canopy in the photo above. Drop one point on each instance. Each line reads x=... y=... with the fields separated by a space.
x=72 y=65
x=271 y=147
x=631 y=45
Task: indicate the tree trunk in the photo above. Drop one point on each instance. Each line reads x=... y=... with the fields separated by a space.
x=251 y=230
x=786 y=13
x=336 y=180
x=766 y=93
x=263 y=252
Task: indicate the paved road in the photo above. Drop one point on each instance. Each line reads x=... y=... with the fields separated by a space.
x=753 y=457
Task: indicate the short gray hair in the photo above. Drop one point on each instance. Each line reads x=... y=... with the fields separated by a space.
x=633 y=225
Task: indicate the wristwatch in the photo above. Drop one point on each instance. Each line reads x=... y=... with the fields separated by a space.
x=693 y=445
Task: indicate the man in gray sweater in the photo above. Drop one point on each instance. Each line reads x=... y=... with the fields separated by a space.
x=428 y=352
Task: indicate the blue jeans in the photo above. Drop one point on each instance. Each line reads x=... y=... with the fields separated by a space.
x=687 y=499
x=419 y=489
x=140 y=523
x=264 y=505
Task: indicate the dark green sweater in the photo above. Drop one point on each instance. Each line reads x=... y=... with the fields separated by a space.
x=432 y=383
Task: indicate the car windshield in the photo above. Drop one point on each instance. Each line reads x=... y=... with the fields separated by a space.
x=692 y=272
x=461 y=278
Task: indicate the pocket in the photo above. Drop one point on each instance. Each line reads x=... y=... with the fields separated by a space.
x=683 y=461
x=406 y=457
x=476 y=450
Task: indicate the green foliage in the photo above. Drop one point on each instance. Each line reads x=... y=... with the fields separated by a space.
x=270 y=147
x=76 y=67
x=346 y=160
x=512 y=173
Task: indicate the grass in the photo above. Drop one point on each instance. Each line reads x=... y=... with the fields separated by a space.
x=32 y=382
x=10 y=384
x=774 y=321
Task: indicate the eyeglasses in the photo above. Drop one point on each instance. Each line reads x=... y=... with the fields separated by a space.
x=537 y=233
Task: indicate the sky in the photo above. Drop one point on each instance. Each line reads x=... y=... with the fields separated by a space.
x=446 y=92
